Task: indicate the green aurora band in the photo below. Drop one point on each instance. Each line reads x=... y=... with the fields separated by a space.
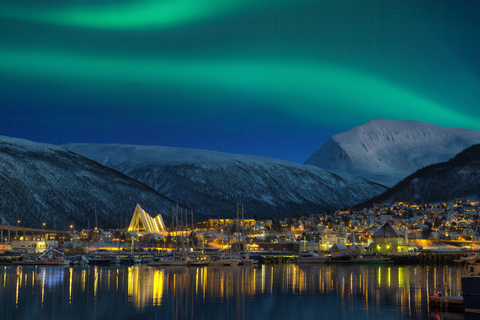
x=312 y=91
x=134 y=15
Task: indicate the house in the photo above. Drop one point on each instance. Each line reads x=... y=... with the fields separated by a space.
x=434 y=235
x=131 y=236
x=289 y=237
x=106 y=236
x=338 y=250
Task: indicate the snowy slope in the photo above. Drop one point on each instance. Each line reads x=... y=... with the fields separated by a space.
x=442 y=182
x=386 y=151
x=46 y=183
x=212 y=183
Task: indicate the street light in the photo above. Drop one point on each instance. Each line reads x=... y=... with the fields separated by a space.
x=43 y=225
x=16 y=231
x=71 y=228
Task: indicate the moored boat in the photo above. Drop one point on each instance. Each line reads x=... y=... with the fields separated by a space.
x=79 y=260
x=26 y=262
x=174 y=260
x=310 y=257
x=101 y=260
x=53 y=257
x=199 y=261
x=254 y=257
x=224 y=259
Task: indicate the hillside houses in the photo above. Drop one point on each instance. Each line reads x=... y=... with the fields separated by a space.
x=389 y=229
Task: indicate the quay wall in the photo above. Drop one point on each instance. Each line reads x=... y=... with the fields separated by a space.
x=424 y=258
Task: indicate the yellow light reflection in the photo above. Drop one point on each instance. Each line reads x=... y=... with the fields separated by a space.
x=84 y=280
x=70 y=287
x=95 y=283
x=43 y=288
x=389 y=277
x=157 y=291
x=379 y=277
x=263 y=278
x=16 y=291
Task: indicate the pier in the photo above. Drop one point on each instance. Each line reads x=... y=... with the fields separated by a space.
x=453 y=304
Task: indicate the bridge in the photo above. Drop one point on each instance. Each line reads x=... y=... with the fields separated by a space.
x=9 y=233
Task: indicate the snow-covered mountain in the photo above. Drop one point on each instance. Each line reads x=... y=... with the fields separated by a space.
x=442 y=182
x=212 y=183
x=386 y=151
x=46 y=183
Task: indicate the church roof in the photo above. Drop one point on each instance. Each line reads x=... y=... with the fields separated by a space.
x=387 y=231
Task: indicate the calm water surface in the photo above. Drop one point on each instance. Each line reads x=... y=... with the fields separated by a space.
x=262 y=292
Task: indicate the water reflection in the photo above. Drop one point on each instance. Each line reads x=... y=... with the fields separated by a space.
x=280 y=292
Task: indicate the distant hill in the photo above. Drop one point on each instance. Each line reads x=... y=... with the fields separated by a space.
x=45 y=183
x=457 y=178
x=386 y=151
x=212 y=183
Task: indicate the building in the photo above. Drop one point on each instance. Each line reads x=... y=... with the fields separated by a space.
x=388 y=240
x=144 y=223
x=29 y=246
x=338 y=250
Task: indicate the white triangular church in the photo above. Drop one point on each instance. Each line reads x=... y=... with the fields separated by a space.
x=143 y=222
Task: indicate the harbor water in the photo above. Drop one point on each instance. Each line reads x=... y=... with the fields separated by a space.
x=279 y=292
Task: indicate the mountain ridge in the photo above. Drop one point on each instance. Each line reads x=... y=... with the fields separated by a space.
x=213 y=183
x=46 y=183
x=456 y=178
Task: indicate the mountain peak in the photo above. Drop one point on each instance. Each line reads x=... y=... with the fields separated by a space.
x=386 y=151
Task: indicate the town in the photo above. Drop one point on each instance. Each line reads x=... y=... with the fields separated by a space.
x=396 y=229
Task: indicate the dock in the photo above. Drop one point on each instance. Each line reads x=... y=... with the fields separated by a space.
x=452 y=303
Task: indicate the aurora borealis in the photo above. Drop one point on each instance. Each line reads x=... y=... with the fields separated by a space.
x=272 y=78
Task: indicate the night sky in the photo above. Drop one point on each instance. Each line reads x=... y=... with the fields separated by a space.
x=268 y=77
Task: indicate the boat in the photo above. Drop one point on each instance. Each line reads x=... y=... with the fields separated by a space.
x=130 y=260
x=471 y=283
x=101 y=260
x=371 y=260
x=224 y=259
x=180 y=257
x=24 y=261
x=246 y=259
x=173 y=260
x=310 y=257
x=114 y=260
x=53 y=257
x=199 y=261
x=255 y=258
x=79 y=260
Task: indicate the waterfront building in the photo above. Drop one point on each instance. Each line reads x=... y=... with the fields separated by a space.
x=144 y=223
x=29 y=246
x=388 y=240
x=339 y=250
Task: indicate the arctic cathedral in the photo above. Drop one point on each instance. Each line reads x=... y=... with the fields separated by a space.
x=142 y=222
